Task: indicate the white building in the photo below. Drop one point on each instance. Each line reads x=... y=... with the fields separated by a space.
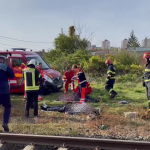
x=106 y=45
x=124 y=44
x=146 y=42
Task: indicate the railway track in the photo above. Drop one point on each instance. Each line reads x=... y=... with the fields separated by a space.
x=33 y=141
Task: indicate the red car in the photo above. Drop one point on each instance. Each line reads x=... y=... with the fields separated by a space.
x=52 y=78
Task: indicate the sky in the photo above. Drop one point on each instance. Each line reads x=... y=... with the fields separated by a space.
x=42 y=20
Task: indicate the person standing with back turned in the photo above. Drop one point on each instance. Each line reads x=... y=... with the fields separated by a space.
x=32 y=79
x=5 y=73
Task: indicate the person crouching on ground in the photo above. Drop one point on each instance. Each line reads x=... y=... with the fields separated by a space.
x=110 y=81
x=88 y=89
x=82 y=82
x=67 y=78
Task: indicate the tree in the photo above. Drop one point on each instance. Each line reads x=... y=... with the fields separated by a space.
x=70 y=43
x=133 y=41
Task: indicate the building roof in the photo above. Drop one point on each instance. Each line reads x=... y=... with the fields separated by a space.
x=139 y=49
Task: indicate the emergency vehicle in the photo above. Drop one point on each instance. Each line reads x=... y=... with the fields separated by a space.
x=52 y=79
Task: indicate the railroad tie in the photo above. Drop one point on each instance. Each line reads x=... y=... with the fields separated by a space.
x=63 y=148
x=31 y=147
x=3 y=147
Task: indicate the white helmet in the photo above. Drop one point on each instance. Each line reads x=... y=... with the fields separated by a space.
x=32 y=62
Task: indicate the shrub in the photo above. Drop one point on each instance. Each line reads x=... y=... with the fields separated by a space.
x=127 y=77
x=96 y=66
x=127 y=58
x=124 y=62
x=60 y=61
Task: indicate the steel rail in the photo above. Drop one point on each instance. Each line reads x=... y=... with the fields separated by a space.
x=74 y=142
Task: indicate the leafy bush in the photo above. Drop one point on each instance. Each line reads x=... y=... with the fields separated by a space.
x=139 y=70
x=127 y=77
x=96 y=66
x=60 y=61
x=127 y=58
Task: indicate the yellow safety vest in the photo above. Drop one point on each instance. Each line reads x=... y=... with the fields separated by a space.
x=29 y=76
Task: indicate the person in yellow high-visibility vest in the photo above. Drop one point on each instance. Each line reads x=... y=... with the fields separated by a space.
x=32 y=78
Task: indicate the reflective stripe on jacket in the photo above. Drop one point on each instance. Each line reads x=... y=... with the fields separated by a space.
x=111 y=72
x=147 y=73
x=32 y=78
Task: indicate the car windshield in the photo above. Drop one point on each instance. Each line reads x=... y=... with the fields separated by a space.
x=39 y=60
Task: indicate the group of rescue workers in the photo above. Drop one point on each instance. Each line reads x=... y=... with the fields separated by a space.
x=33 y=84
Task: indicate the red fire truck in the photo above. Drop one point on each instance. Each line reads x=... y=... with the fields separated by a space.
x=52 y=78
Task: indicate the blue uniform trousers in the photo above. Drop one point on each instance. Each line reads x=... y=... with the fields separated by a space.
x=6 y=103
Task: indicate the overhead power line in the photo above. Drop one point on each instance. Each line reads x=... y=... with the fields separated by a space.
x=17 y=46
x=24 y=40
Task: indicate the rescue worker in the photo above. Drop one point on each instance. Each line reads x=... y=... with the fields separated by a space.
x=110 y=80
x=88 y=89
x=32 y=78
x=82 y=82
x=68 y=79
x=146 y=82
x=5 y=73
x=22 y=67
x=40 y=69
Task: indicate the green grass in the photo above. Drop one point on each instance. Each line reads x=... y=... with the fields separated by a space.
x=63 y=124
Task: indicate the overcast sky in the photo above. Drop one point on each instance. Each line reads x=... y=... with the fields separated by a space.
x=42 y=20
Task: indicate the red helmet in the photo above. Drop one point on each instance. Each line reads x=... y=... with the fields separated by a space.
x=108 y=62
x=146 y=55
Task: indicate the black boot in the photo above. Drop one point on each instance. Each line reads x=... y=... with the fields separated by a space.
x=27 y=114
x=113 y=94
x=6 y=128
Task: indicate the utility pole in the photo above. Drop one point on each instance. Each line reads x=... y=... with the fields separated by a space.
x=62 y=31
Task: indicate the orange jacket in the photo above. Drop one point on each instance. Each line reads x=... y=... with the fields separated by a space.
x=88 y=89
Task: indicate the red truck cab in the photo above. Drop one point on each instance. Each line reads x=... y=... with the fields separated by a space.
x=52 y=78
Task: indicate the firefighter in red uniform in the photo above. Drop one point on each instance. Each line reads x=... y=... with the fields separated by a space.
x=82 y=82
x=67 y=78
x=39 y=68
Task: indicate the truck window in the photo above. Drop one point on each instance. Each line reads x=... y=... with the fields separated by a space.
x=39 y=60
x=15 y=63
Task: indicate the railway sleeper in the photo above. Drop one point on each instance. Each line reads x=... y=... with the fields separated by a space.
x=61 y=148
x=32 y=147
